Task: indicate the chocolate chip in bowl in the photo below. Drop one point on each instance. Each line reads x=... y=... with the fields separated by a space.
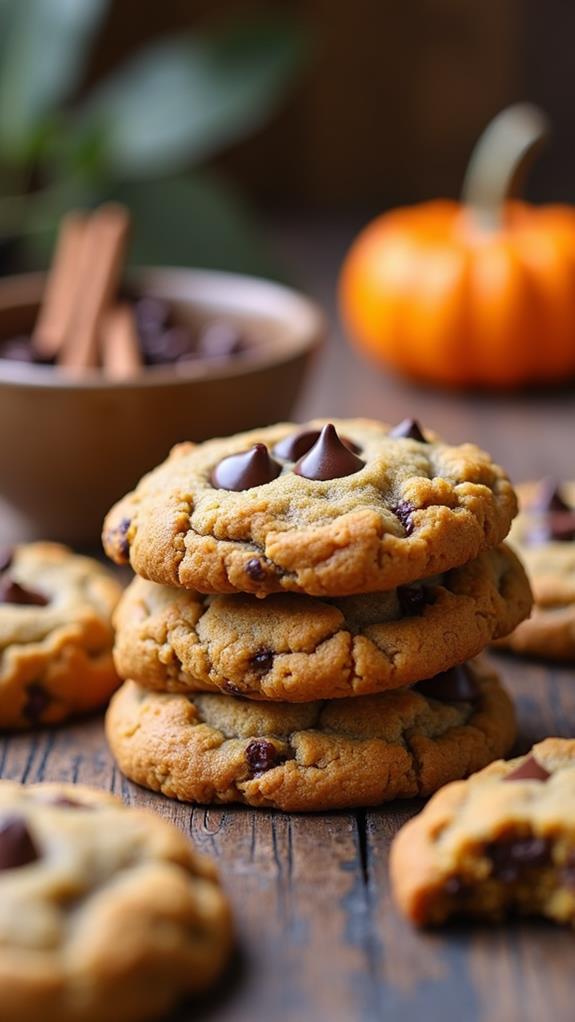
x=86 y=433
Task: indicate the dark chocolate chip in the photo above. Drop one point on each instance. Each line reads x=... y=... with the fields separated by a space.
x=17 y=847
x=255 y=569
x=6 y=558
x=529 y=770
x=510 y=858
x=37 y=700
x=404 y=511
x=453 y=686
x=246 y=470
x=261 y=756
x=263 y=660
x=220 y=340
x=549 y=497
x=329 y=458
x=123 y=544
x=293 y=447
x=412 y=599
x=408 y=429
x=13 y=592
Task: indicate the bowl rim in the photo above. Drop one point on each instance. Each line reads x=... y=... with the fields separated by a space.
x=305 y=316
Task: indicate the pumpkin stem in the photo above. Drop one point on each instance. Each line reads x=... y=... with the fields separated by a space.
x=500 y=160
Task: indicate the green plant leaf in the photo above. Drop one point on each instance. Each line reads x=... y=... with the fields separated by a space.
x=199 y=220
x=44 y=43
x=183 y=99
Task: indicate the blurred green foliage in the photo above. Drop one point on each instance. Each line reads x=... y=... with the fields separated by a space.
x=139 y=135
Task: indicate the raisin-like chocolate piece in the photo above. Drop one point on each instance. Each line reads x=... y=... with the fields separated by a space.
x=261 y=756
x=17 y=847
x=412 y=599
x=404 y=511
x=263 y=660
x=255 y=569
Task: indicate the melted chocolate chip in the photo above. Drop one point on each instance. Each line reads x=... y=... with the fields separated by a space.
x=13 y=592
x=453 y=686
x=261 y=756
x=122 y=533
x=6 y=558
x=329 y=458
x=16 y=845
x=404 y=511
x=408 y=429
x=293 y=447
x=263 y=660
x=412 y=599
x=246 y=470
x=255 y=569
x=37 y=701
x=510 y=858
x=529 y=770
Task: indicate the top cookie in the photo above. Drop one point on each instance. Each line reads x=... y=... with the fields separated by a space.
x=293 y=508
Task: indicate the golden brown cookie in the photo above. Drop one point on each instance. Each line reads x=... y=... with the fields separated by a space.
x=299 y=648
x=544 y=537
x=312 y=756
x=56 y=635
x=298 y=508
x=502 y=841
x=106 y=912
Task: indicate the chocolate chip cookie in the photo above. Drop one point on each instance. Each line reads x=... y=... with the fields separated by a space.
x=502 y=841
x=106 y=912
x=299 y=648
x=56 y=634
x=312 y=756
x=328 y=509
x=544 y=536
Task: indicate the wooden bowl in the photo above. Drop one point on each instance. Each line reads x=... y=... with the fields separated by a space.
x=72 y=444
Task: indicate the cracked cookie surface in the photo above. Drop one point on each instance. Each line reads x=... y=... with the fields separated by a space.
x=298 y=648
x=307 y=756
x=503 y=841
x=413 y=509
x=56 y=635
x=106 y=912
x=550 y=564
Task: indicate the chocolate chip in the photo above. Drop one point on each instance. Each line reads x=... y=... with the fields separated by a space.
x=13 y=592
x=453 y=686
x=16 y=845
x=121 y=532
x=412 y=599
x=220 y=340
x=293 y=447
x=549 y=497
x=510 y=858
x=6 y=558
x=529 y=770
x=408 y=429
x=262 y=661
x=255 y=569
x=404 y=511
x=329 y=458
x=37 y=701
x=246 y=470
x=261 y=756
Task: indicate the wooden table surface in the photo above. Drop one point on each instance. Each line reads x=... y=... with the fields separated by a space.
x=318 y=936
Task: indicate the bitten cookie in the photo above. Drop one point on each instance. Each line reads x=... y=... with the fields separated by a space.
x=299 y=648
x=544 y=536
x=312 y=756
x=106 y=912
x=56 y=635
x=324 y=509
x=502 y=841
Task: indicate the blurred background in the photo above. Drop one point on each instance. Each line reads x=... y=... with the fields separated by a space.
x=222 y=122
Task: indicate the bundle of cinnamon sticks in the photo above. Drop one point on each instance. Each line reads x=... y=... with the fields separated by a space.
x=81 y=324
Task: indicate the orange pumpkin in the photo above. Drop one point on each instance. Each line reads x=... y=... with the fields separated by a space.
x=480 y=293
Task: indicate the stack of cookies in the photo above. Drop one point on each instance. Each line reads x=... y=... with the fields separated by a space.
x=308 y=603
